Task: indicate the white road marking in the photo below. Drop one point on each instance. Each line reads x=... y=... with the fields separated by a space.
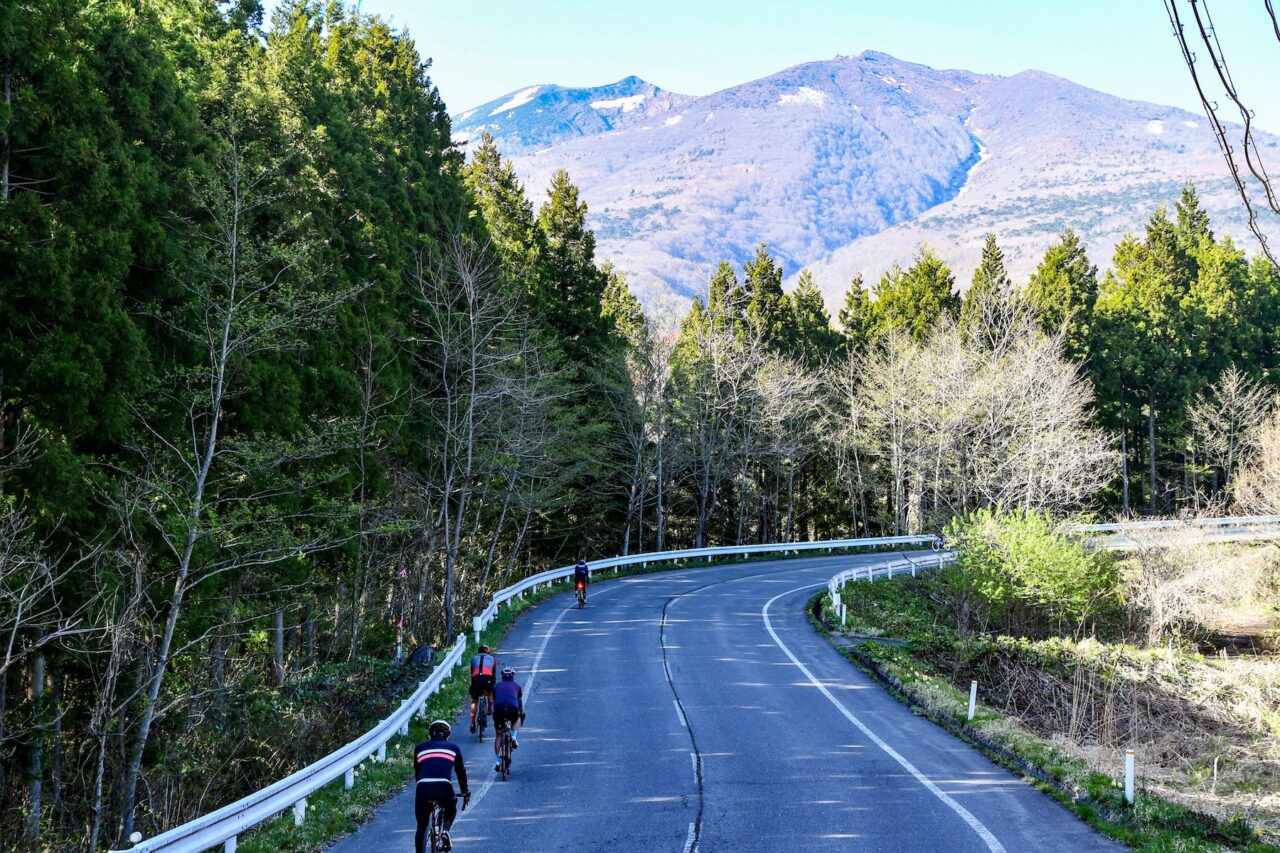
x=688 y=840
x=528 y=689
x=976 y=825
x=680 y=714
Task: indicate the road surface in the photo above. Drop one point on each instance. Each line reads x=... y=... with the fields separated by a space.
x=699 y=710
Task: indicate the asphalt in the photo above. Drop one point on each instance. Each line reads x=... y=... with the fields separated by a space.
x=699 y=710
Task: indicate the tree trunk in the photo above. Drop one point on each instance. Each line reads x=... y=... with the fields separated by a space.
x=1124 y=467
x=1151 y=450
x=4 y=141
x=35 y=770
x=277 y=648
x=57 y=680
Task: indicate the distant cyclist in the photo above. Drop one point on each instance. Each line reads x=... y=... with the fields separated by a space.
x=508 y=706
x=483 y=667
x=581 y=577
x=435 y=761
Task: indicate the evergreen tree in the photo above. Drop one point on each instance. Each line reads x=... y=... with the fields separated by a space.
x=1192 y=219
x=620 y=306
x=917 y=299
x=1143 y=367
x=570 y=286
x=507 y=212
x=857 y=317
x=991 y=288
x=1062 y=293
x=764 y=312
x=726 y=305
x=809 y=336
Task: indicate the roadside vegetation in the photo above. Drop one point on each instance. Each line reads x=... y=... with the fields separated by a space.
x=1080 y=656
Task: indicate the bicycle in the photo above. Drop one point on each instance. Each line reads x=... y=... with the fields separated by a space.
x=582 y=595
x=503 y=730
x=482 y=716
x=435 y=826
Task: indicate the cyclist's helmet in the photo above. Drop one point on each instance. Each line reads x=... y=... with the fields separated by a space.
x=440 y=729
x=484 y=650
x=508 y=673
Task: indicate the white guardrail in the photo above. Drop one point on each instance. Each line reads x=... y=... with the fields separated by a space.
x=1128 y=535
x=902 y=564
x=221 y=827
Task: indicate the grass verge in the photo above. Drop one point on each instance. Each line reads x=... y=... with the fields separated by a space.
x=1152 y=824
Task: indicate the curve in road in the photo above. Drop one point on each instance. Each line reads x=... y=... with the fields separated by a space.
x=698 y=710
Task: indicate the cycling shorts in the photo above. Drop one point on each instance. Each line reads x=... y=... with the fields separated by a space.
x=505 y=713
x=481 y=684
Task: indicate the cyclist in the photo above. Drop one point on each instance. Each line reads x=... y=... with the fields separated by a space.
x=581 y=576
x=508 y=706
x=483 y=667
x=434 y=762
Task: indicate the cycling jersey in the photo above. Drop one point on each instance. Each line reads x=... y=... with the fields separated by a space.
x=581 y=573
x=508 y=693
x=438 y=760
x=483 y=665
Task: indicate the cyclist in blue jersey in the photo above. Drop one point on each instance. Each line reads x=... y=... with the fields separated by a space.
x=508 y=706
x=581 y=577
x=435 y=761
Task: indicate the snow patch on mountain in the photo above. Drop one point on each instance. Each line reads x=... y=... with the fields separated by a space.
x=626 y=104
x=1155 y=126
x=519 y=99
x=804 y=95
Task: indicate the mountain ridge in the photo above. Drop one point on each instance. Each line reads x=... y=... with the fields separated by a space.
x=846 y=165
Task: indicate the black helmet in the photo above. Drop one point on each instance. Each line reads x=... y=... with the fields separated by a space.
x=440 y=729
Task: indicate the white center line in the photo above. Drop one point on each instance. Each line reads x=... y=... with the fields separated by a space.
x=680 y=714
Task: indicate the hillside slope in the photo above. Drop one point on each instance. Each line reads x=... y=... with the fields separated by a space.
x=847 y=165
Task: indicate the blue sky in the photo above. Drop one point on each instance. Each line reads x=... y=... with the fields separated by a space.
x=484 y=49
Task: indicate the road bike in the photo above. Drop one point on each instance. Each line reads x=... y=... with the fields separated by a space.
x=582 y=595
x=435 y=827
x=502 y=730
x=482 y=715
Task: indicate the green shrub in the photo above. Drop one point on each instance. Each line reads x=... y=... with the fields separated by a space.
x=1015 y=572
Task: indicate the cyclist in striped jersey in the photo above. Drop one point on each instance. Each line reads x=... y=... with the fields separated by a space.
x=435 y=762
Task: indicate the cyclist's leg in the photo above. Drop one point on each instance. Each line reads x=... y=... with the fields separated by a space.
x=449 y=806
x=422 y=811
x=474 y=695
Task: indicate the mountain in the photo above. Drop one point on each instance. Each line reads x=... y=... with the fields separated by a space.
x=847 y=165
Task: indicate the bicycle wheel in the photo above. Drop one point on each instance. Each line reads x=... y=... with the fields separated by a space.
x=433 y=830
x=482 y=716
x=506 y=753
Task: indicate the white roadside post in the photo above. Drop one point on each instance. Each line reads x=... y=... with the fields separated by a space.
x=349 y=779
x=973 y=698
x=1128 y=776
x=229 y=846
x=299 y=811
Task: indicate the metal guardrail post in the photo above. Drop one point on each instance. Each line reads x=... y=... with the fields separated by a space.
x=229 y=846
x=299 y=811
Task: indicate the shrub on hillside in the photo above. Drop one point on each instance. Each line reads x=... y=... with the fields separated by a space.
x=1016 y=573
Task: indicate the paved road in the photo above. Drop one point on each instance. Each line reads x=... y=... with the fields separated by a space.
x=699 y=710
